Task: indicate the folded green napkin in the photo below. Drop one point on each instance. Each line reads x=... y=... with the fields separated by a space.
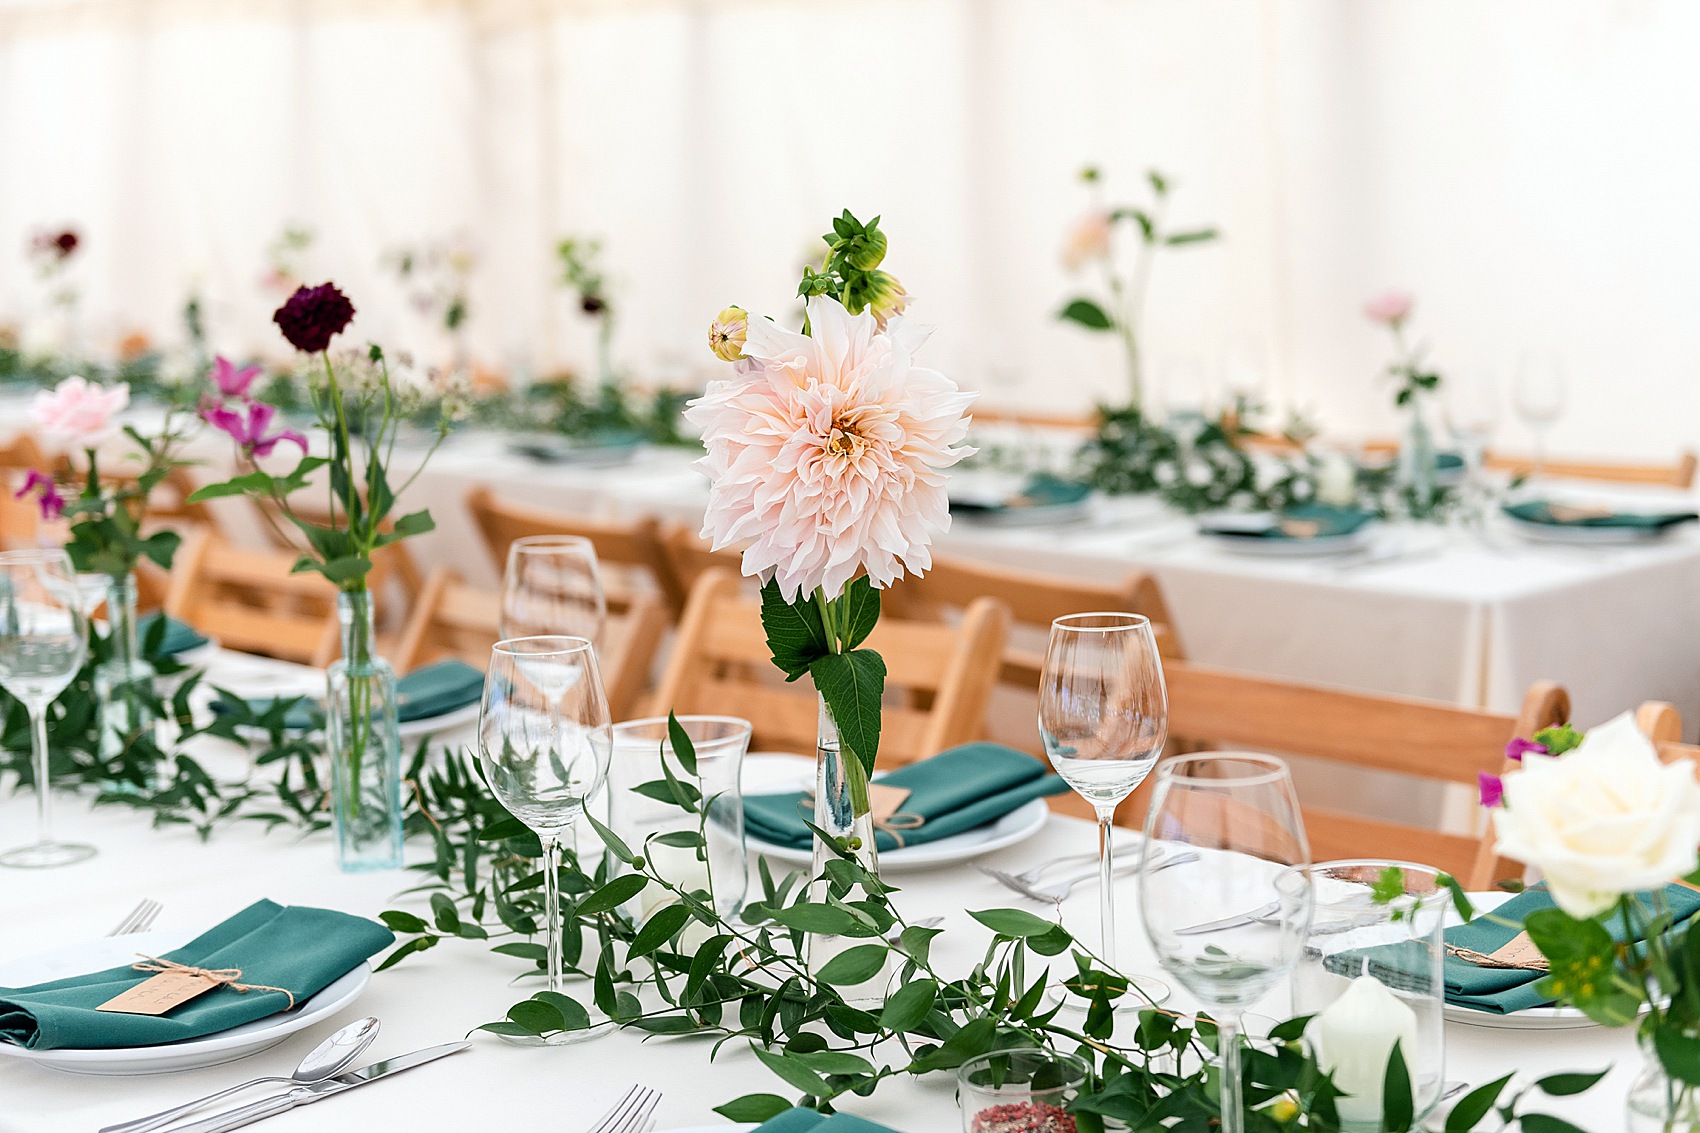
x=1306 y=521
x=1541 y=511
x=422 y=694
x=1448 y=462
x=294 y=947
x=808 y=1121
x=1504 y=990
x=955 y=790
x=1041 y=490
x=179 y=636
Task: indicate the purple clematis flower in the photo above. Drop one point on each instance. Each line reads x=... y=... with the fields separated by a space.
x=231 y=381
x=1519 y=747
x=1492 y=788
x=250 y=431
x=52 y=501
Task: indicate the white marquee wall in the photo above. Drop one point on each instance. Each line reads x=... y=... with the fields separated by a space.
x=1527 y=167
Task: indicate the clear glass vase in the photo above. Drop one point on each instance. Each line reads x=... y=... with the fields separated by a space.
x=362 y=733
x=124 y=682
x=1659 y=1103
x=1416 y=470
x=842 y=811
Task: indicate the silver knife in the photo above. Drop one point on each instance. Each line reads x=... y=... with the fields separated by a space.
x=318 y=1091
x=1225 y=923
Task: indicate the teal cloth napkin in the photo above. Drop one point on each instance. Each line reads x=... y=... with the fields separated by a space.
x=1042 y=490
x=1541 y=511
x=179 y=636
x=422 y=694
x=296 y=947
x=808 y=1121
x=955 y=790
x=1504 y=990
x=1329 y=522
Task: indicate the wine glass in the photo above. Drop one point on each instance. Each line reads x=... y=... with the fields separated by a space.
x=1215 y=917
x=1103 y=716
x=544 y=740
x=43 y=641
x=1470 y=409
x=552 y=586
x=1538 y=397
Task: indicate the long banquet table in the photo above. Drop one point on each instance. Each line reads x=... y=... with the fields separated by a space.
x=439 y=995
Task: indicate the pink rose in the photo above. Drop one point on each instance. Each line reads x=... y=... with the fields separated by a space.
x=1391 y=308
x=1088 y=240
x=79 y=413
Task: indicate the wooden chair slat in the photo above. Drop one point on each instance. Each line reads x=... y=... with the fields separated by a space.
x=250 y=601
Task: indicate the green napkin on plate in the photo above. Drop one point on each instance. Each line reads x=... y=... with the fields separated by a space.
x=294 y=947
x=1504 y=990
x=808 y=1121
x=955 y=790
x=1560 y=515
x=424 y=693
x=1041 y=490
x=1307 y=521
x=179 y=636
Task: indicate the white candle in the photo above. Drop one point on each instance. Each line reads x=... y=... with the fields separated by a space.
x=1336 y=481
x=1354 y=1039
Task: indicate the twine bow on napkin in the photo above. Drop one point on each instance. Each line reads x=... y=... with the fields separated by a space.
x=885 y=806
x=225 y=977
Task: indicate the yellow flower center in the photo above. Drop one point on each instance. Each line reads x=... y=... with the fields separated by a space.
x=844 y=442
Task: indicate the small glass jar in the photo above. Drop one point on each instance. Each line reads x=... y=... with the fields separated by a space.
x=1371 y=975
x=1026 y=1090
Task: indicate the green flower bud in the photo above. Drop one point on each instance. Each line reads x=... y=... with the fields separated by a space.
x=866 y=250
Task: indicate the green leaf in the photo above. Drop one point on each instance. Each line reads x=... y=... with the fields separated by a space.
x=1397 y=1106
x=795 y=635
x=1546 y=1123
x=659 y=929
x=679 y=840
x=574 y=1017
x=909 y=1005
x=1087 y=313
x=417 y=944
x=853 y=684
x=683 y=749
x=448 y=917
x=753 y=1107
x=1053 y=943
x=1013 y=922
x=1678 y=1053
x=816 y=918
x=616 y=845
x=861 y=605
x=1195 y=236
x=1581 y=958
x=916 y=941
x=1564 y=1085
x=854 y=965
x=393 y=920
x=834 y=1062
x=537 y=1017
x=1475 y=1105
x=614 y=894
x=795 y=1073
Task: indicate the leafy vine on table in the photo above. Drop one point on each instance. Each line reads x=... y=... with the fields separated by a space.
x=685 y=970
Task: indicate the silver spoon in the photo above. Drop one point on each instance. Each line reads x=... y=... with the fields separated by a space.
x=323 y=1061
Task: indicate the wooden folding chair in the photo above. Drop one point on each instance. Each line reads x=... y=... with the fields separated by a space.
x=633 y=546
x=689 y=557
x=397 y=579
x=249 y=601
x=452 y=619
x=1679 y=474
x=1420 y=739
x=720 y=663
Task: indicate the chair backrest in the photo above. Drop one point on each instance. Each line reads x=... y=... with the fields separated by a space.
x=452 y=619
x=249 y=600
x=635 y=544
x=1421 y=739
x=689 y=557
x=720 y=663
x=1034 y=599
x=402 y=578
x=1678 y=474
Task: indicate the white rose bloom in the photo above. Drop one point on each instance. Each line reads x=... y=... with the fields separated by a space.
x=1605 y=819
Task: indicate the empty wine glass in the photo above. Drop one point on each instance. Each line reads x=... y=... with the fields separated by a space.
x=544 y=739
x=1215 y=917
x=1538 y=398
x=1470 y=409
x=1103 y=716
x=43 y=641
x=552 y=586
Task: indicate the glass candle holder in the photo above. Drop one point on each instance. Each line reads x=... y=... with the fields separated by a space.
x=1019 y=1091
x=1371 y=975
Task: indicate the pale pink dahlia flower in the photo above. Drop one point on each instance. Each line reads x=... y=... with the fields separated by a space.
x=829 y=451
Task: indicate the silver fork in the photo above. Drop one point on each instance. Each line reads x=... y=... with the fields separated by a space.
x=630 y=1113
x=1057 y=890
x=139 y=919
x=1029 y=876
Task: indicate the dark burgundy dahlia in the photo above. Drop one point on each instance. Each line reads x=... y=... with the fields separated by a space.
x=312 y=316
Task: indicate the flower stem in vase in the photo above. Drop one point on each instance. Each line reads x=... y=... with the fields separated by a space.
x=843 y=812
x=363 y=734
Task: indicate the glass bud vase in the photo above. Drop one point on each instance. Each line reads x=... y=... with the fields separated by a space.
x=1416 y=470
x=842 y=811
x=124 y=682
x=1659 y=1103
x=362 y=733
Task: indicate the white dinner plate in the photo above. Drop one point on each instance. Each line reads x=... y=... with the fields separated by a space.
x=1588 y=536
x=1535 y=1018
x=1293 y=548
x=738 y=1127
x=209 y=1050
x=1039 y=515
x=431 y=725
x=769 y=773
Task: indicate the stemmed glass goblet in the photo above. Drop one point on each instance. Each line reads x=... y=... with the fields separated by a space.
x=1103 y=716
x=1214 y=916
x=552 y=586
x=43 y=642
x=544 y=740
x=1538 y=397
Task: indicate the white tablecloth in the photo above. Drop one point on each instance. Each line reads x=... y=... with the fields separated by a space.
x=438 y=996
